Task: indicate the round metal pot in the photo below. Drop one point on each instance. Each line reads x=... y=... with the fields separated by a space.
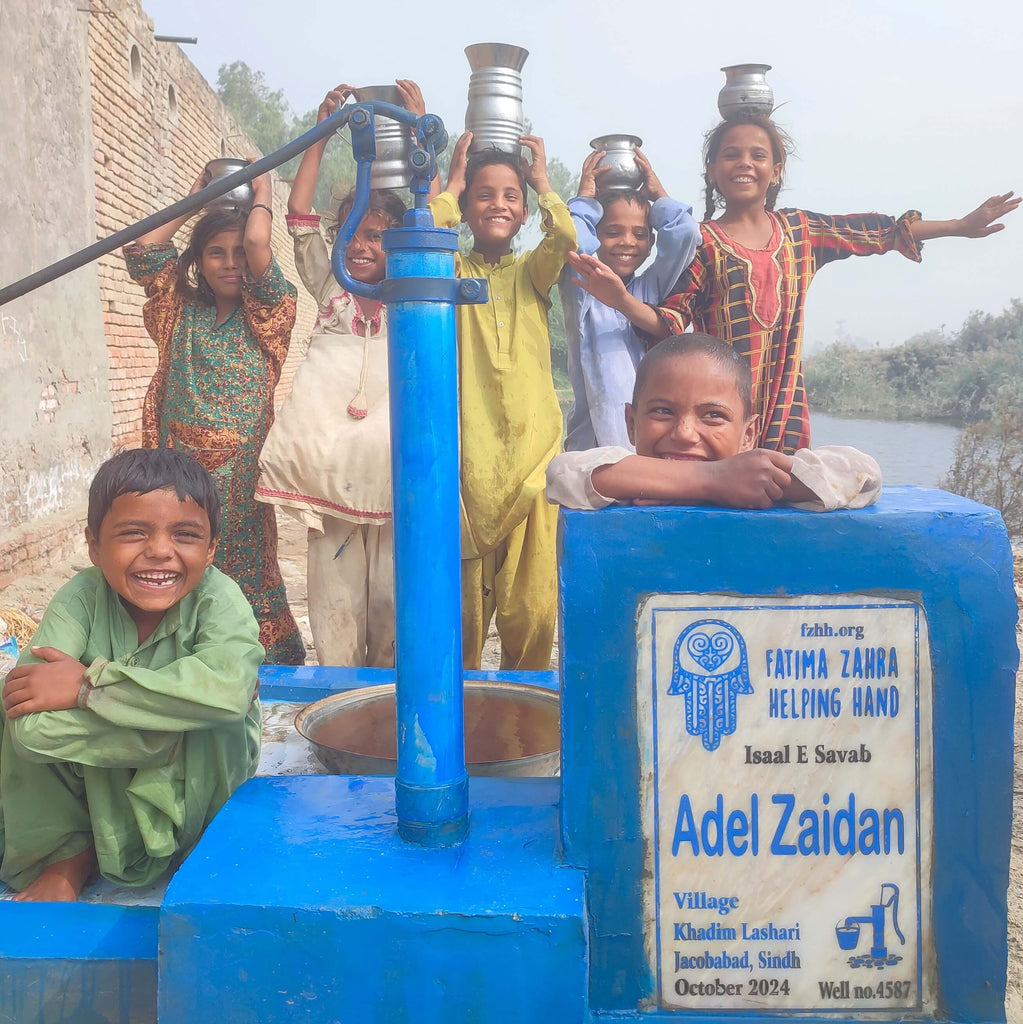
x=494 y=113
x=746 y=91
x=393 y=140
x=625 y=174
x=511 y=729
x=240 y=197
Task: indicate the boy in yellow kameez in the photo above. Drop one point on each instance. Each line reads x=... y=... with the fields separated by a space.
x=510 y=418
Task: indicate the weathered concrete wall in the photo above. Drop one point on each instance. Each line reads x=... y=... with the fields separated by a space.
x=101 y=126
x=156 y=123
x=54 y=402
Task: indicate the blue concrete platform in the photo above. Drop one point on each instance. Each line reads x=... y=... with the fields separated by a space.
x=61 y=962
x=947 y=553
x=302 y=904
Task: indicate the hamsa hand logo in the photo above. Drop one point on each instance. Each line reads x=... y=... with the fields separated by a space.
x=711 y=669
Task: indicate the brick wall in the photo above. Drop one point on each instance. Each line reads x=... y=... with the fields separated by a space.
x=89 y=81
x=156 y=122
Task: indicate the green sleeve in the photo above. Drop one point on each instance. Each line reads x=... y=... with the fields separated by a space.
x=65 y=625
x=79 y=735
x=215 y=683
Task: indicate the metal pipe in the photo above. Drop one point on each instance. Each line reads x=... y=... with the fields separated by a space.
x=431 y=787
x=176 y=39
x=179 y=209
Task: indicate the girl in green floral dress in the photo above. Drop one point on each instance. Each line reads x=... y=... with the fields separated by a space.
x=221 y=315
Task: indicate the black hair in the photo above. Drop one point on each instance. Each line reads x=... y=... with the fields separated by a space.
x=141 y=470
x=677 y=345
x=488 y=158
x=191 y=285
x=628 y=195
x=382 y=201
x=782 y=147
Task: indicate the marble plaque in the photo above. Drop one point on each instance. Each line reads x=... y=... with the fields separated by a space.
x=785 y=752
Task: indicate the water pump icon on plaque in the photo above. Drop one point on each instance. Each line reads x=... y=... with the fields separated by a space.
x=785 y=753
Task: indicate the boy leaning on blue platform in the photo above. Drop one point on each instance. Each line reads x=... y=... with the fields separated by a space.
x=691 y=420
x=132 y=717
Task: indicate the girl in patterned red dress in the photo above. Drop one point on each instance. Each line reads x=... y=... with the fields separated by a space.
x=747 y=283
x=221 y=316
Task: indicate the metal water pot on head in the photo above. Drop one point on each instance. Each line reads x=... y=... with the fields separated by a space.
x=746 y=91
x=240 y=197
x=494 y=114
x=393 y=140
x=620 y=156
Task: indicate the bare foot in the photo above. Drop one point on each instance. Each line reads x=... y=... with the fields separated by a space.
x=61 y=882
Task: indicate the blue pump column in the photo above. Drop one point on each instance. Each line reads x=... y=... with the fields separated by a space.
x=421 y=292
x=431 y=788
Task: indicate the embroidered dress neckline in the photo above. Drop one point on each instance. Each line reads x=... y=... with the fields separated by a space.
x=733 y=243
x=214 y=326
x=763 y=271
x=370 y=324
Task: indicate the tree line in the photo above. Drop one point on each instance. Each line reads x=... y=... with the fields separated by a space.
x=972 y=377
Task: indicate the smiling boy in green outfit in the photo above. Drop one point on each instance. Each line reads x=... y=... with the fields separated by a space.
x=132 y=717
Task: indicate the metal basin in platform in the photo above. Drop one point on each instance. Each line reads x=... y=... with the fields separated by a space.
x=511 y=729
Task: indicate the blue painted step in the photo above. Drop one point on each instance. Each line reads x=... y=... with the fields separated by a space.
x=301 y=904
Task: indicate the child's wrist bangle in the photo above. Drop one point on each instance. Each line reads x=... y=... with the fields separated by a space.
x=261 y=206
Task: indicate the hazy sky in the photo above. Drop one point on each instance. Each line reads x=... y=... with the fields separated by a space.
x=893 y=105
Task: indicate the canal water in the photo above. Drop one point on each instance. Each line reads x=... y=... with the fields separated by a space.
x=908 y=452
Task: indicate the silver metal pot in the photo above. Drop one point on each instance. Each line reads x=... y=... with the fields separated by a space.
x=625 y=173
x=394 y=141
x=494 y=114
x=746 y=91
x=240 y=197
x=511 y=729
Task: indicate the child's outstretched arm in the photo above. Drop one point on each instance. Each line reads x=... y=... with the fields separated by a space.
x=599 y=477
x=412 y=98
x=586 y=211
x=444 y=207
x=164 y=233
x=978 y=223
x=545 y=262
x=606 y=286
x=302 y=188
x=258 y=225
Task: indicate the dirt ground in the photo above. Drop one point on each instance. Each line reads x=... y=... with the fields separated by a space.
x=32 y=595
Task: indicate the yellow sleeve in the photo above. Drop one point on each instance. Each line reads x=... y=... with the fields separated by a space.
x=544 y=263
x=447 y=214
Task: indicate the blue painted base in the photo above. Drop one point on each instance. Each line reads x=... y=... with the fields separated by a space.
x=947 y=553
x=301 y=904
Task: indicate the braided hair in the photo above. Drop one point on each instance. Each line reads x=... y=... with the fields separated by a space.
x=782 y=147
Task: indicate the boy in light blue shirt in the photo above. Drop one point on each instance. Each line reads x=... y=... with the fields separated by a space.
x=603 y=347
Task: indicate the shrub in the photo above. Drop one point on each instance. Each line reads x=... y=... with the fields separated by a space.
x=987 y=463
